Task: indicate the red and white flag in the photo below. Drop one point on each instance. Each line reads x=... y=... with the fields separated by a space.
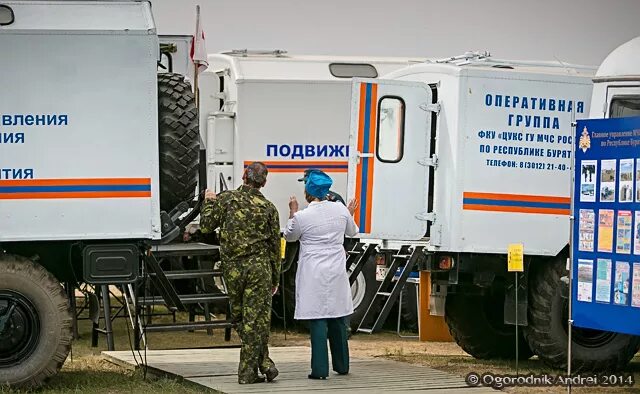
x=198 y=46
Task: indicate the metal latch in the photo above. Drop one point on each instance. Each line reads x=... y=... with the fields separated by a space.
x=429 y=161
x=431 y=107
x=426 y=216
x=360 y=154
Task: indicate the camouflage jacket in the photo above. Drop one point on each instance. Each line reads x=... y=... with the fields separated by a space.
x=249 y=227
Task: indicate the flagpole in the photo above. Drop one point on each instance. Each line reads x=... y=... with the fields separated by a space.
x=196 y=65
x=202 y=172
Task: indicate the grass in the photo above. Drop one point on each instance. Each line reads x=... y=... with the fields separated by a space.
x=462 y=365
x=86 y=371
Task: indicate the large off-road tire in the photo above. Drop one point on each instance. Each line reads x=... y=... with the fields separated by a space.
x=179 y=140
x=592 y=350
x=476 y=324
x=36 y=337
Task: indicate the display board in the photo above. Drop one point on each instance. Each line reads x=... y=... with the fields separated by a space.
x=606 y=230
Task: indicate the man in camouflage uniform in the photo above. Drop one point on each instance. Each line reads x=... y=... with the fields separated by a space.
x=250 y=260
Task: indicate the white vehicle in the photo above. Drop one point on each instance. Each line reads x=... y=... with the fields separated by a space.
x=95 y=148
x=291 y=112
x=463 y=157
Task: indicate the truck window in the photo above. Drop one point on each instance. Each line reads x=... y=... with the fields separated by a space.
x=351 y=70
x=6 y=15
x=625 y=106
x=390 y=144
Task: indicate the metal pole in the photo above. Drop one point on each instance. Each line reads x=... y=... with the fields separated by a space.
x=571 y=236
x=284 y=306
x=196 y=65
x=106 y=306
x=517 y=356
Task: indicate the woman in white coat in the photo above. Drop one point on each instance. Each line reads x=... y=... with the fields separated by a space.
x=323 y=294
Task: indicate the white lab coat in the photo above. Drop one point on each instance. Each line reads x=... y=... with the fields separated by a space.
x=322 y=283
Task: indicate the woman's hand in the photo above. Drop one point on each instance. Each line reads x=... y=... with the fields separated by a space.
x=352 y=206
x=293 y=206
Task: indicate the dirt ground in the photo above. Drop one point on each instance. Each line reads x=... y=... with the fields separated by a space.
x=85 y=371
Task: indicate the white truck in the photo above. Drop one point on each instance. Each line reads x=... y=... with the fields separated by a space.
x=291 y=112
x=95 y=148
x=462 y=158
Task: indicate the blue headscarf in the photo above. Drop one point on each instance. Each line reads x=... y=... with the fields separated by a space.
x=318 y=184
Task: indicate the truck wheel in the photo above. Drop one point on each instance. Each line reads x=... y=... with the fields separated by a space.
x=363 y=291
x=179 y=140
x=476 y=323
x=35 y=323
x=592 y=350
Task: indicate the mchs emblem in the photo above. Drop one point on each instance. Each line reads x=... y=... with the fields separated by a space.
x=585 y=140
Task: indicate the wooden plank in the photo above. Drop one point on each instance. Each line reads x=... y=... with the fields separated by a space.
x=217 y=369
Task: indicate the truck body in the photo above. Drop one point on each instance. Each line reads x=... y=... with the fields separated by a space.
x=89 y=137
x=288 y=111
x=501 y=154
x=69 y=172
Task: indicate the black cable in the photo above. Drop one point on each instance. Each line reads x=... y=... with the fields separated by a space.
x=133 y=353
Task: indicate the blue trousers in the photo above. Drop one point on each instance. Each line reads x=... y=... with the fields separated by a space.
x=335 y=330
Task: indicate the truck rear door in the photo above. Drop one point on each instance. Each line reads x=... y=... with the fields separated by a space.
x=389 y=157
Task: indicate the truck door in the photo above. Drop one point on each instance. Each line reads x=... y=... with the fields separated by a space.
x=389 y=157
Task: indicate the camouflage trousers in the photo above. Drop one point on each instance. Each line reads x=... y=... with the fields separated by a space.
x=249 y=287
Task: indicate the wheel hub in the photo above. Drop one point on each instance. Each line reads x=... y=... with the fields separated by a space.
x=19 y=328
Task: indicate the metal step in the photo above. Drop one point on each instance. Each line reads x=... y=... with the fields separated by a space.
x=365 y=330
x=198 y=325
x=186 y=299
x=384 y=293
x=189 y=274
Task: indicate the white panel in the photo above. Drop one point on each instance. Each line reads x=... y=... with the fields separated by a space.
x=209 y=86
x=292 y=113
x=110 y=16
x=220 y=138
x=106 y=85
x=507 y=194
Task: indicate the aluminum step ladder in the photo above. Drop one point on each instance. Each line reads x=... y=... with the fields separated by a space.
x=161 y=280
x=404 y=260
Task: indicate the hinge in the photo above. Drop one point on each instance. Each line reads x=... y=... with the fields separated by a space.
x=430 y=107
x=429 y=161
x=426 y=216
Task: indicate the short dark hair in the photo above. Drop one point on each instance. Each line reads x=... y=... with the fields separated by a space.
x=311 y=198
x=255 y=175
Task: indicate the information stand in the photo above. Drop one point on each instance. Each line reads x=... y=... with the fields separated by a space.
x=606 y=229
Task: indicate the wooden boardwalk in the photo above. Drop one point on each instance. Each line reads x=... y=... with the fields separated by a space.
x=217 y=368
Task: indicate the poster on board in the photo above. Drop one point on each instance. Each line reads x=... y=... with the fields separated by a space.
x=605 y=291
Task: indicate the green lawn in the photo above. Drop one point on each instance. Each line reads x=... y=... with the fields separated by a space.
x=85 y=370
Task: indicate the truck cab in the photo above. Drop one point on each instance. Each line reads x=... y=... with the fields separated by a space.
x=616 y=88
